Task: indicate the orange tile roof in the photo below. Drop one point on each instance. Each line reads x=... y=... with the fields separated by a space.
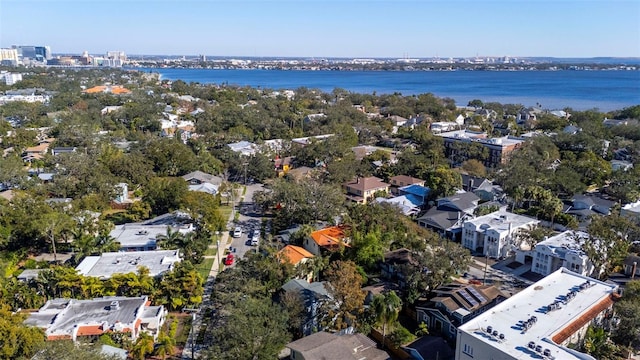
x=293 y=254
x=331 y=236
x=59 y=337
x=583 y=320
x=115 y=89
x=38 y=148
x=87 y=330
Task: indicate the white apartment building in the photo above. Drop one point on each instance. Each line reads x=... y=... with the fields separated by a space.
x=562 y=250
x=10 y=78
x=493 y=234
x=539 y=322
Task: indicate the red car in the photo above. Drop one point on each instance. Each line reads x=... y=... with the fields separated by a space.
x=229 y=259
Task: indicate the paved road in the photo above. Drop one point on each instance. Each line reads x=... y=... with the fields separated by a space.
x=247 y=220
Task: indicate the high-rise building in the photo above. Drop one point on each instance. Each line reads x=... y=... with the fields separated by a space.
x=33 y=53
x=116 y=55
x=9 y=57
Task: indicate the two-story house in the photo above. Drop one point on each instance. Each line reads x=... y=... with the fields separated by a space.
x=493 y=234
x=399 y=181
x=449 y=214
x=361 y=189
x=455 y=304
x=561 y=250
x=313 y=296
x=328 y=239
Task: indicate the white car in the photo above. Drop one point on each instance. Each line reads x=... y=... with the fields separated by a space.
x=237 y=232
x=255 y=239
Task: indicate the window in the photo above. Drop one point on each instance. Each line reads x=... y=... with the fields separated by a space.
x=468 y=350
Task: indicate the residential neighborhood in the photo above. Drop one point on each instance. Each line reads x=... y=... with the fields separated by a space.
x=198 y=221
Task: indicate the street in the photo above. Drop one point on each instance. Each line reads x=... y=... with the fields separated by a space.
x=248 y=220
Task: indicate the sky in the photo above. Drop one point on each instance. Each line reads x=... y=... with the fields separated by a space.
x=329 y=28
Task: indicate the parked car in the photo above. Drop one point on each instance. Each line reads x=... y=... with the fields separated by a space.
x=255 y=239
x=229 y=259
x=237 y=232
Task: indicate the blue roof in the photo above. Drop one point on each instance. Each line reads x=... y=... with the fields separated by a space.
x=417 y=190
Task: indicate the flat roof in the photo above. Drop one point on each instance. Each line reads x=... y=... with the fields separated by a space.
x=501 y=220
x=104 y=266
x=481 y=137
x=71 y=313
x=508 y=317
x=566 y=241
x=632 y=207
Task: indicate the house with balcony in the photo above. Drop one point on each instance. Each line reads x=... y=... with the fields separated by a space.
x=493 y=235
x=362 y=189
x=329 y=239
x=561 y=250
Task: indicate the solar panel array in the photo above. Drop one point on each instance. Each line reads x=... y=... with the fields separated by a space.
x=468 y=297
x=476 y=294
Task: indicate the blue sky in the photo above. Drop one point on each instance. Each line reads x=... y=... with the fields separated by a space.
x=330 y=28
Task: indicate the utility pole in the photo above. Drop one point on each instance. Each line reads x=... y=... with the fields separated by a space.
x=193 y=324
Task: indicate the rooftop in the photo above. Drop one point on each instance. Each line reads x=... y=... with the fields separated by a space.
x=366 y=184
x=323 y=345
x=111 y=263
x=566 y=241
x=501 y=221
x=481 y=137
x=549 y=328
x=329 y=237
x=293 y=254
x=632 y=207
x=61 y=316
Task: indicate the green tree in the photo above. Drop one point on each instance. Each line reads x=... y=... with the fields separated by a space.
x=386 y=306
x=609 y=243
x=368 y=249
x=166 y=346
x=16 y=339
x=165 y=194
x=254 y=328
x=142 y=347
x=627 y=310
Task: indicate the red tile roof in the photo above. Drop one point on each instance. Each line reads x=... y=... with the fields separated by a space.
x=87 y=330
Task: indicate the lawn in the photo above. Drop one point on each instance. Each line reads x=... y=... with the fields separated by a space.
x=225 y=211
x=205 y=268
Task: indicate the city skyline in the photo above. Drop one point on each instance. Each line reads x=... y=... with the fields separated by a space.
x=399 y=29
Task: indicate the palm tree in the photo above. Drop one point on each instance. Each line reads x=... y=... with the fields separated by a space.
x=142 y=347
x=166 y=346
x=386 y=306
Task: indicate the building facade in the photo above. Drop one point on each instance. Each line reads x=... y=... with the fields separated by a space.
x=540 y=322
x=562 y=250
x=493 y=234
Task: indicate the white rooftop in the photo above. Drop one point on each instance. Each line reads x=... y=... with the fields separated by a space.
x=507 y=318
x=108 y=264
x=566 y=241
x=143 y=235
x=481 y=137
x=632 y=207
x=62 y=316
x=501 y=221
